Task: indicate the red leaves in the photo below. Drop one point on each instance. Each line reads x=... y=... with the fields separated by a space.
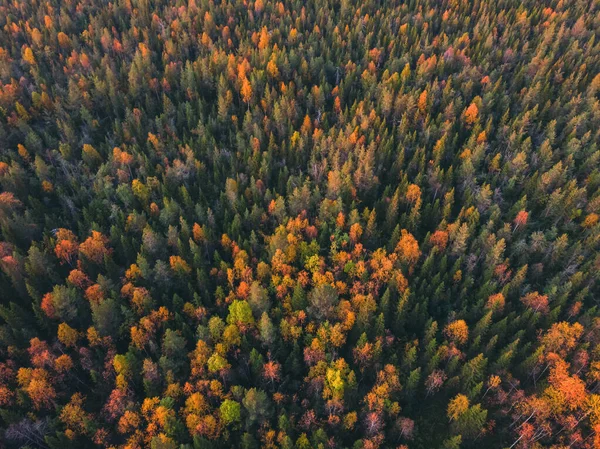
x=272 y=371
x=521 y=219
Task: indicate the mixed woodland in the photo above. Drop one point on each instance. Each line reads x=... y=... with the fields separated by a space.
x=299 y=224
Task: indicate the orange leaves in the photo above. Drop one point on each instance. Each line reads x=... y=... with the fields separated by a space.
x=141 y=300
x=494 y=381
x=153 y=139
x=401 y=282
x=63 y=40
x=195 y=407
x=536 y=302
x=133 y=272
x=306 y=125
x=47 y=186
x=413 y=193
x=95 y=248
x=355 y=232
x=23 y=152
x=66 y=247
x=39 y=352
x=246 y=90
x=365 y=306
x=566 y=390
x=381 y=264
x=380 y=396
x=37 y=384
x=272 y=371
x=79 y=279
x=179 y=266
x=94 y=293
x=495 y=302
x=48 y=23
x=521 y=219
x=340 y=221
x=457 y=332
x=74 y=416
x=422 y=103
x=129 y=422
x=562 y=337
x=471 y=114
x=264 y=39
x=408 y=248
x=139 y=337
x=439 y=239
x=198 y=233
x=47 y=305
x=122 y=157
x=590 y=221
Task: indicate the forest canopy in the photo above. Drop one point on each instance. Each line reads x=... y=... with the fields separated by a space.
x=299 y=224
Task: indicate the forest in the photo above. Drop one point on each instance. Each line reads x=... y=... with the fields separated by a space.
x=331 y=224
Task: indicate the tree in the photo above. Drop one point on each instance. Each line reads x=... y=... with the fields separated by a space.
x=562 y=338
x=67 y=335
x=230 y=411
x=439 y=239
x=471 y=114
x=413 y=193
x=173 y=349
x=28 y=56
x=258 y=299
x=240 y=314
x=246 y=91
x=95 y=248
x=457 y=331
x=495 y=302
x=36 y=383
x=66 y=246
x=521 y=219
x=457 y=407
x=435 y=381
x=179 y=266
x=272 y=371
x=408 y=248
x=257 y=406
x=536 y=302
x=61 y=303
x=322 y=301
x=213 y=214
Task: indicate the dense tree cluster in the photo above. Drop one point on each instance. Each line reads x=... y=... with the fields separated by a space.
x=299 y=225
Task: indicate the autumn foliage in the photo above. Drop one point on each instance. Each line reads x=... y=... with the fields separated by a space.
x=299 y=225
